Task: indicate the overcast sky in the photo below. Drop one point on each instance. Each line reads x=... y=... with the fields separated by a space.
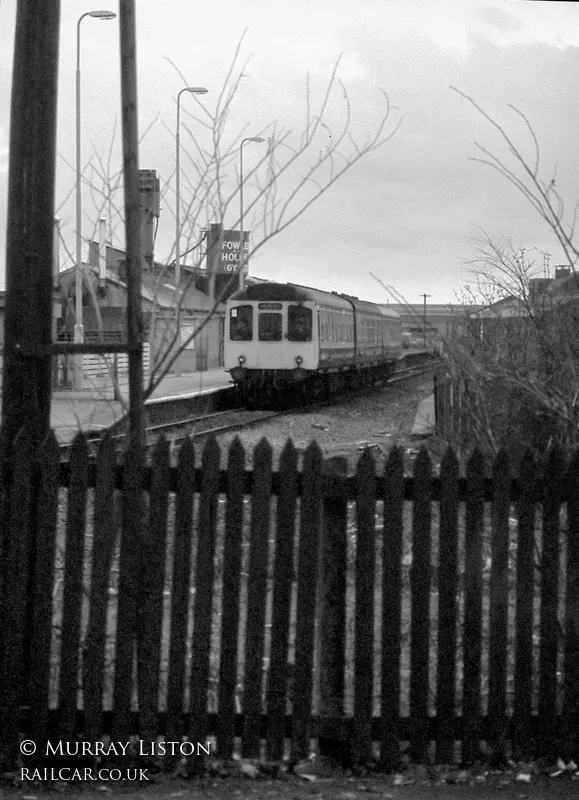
x=406 y=211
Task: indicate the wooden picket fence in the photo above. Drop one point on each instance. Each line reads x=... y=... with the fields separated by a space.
x=269 y=609
x=451 y=414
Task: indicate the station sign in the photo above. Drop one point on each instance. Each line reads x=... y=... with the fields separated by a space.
x=223 y=251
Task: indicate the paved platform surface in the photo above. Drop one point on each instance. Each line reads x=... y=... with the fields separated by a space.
x=424 y=423
x=74 y=411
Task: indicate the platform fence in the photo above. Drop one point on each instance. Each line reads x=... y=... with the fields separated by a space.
x=103 y=374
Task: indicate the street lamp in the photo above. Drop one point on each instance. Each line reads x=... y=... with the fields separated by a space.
x=191 y=90
x=241 y=242
x=78 y=328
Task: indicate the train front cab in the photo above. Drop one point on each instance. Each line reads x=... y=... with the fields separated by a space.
x=270 y=341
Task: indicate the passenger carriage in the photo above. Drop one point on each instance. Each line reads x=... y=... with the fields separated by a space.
x=282 y=337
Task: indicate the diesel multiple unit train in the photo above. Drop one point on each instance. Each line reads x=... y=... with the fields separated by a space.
x=283 y=340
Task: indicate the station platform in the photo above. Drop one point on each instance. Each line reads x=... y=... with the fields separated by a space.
x=72 y=411
x=424 y=423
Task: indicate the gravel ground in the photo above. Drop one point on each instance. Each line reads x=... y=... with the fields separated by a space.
x=460 y=786
x=380 y=419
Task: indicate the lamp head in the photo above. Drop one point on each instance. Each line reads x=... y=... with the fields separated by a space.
x=197 y=89
x=102 y=14
x=256 y=139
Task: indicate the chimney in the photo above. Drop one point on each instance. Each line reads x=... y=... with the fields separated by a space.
x=149 y=195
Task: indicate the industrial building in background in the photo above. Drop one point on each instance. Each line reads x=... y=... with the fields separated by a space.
x=104 y=300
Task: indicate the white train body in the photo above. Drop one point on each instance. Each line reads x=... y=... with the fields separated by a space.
x=284 y=333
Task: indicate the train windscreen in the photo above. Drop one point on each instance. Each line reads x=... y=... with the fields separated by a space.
x=269 y=327
x=299 y=324
x=241 y=324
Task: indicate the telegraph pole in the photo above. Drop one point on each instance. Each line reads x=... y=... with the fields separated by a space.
x=27 y=372
x=130 y=139
x=26 y=385
x=424 y=296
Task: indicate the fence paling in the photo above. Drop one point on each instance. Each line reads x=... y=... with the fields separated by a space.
x=499 y=597
x=230 y=600
x=523 y=687
x=17 y=558
x=420 y=593
x=202 y=607
x=571 y=652
x=256 y=600
x=128 y=592
x=73 y=586
x=393 y=485
x=309 y=542
x=332 y=612
x=364 y=619
x=549 y=571
x=104 y=535
x=180 y=591
x=280 y=611
x=43 y=585
x=472 y=629
x=150 y=603
x=447 y=610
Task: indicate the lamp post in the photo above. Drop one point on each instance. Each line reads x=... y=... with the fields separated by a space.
x=241 y=242
x=191 y=90
x=78 y=327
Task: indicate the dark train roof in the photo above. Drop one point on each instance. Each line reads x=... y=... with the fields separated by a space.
x=291 y=292
x=272 y=291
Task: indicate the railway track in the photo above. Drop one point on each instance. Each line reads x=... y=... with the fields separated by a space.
x=220 y=422
x=410 y=372
x=210 y=424
x=198 y=427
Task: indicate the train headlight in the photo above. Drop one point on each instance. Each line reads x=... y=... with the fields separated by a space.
x=241 y=360
x=299 y=360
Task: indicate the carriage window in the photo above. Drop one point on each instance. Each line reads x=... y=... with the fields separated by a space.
x=241 y=324
x=299 y=324
x=269 y=328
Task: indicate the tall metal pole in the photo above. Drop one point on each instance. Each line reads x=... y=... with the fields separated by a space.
x=424 y=296
x=130 y=135
x=26 y=384
x=79 y=327
x=56 y=304
x=176 y=366
x=178 y=207
x=241 y=242
x=191 y=90
x=241 y=248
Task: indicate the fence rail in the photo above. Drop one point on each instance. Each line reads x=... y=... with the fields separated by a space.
x=269 y=608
